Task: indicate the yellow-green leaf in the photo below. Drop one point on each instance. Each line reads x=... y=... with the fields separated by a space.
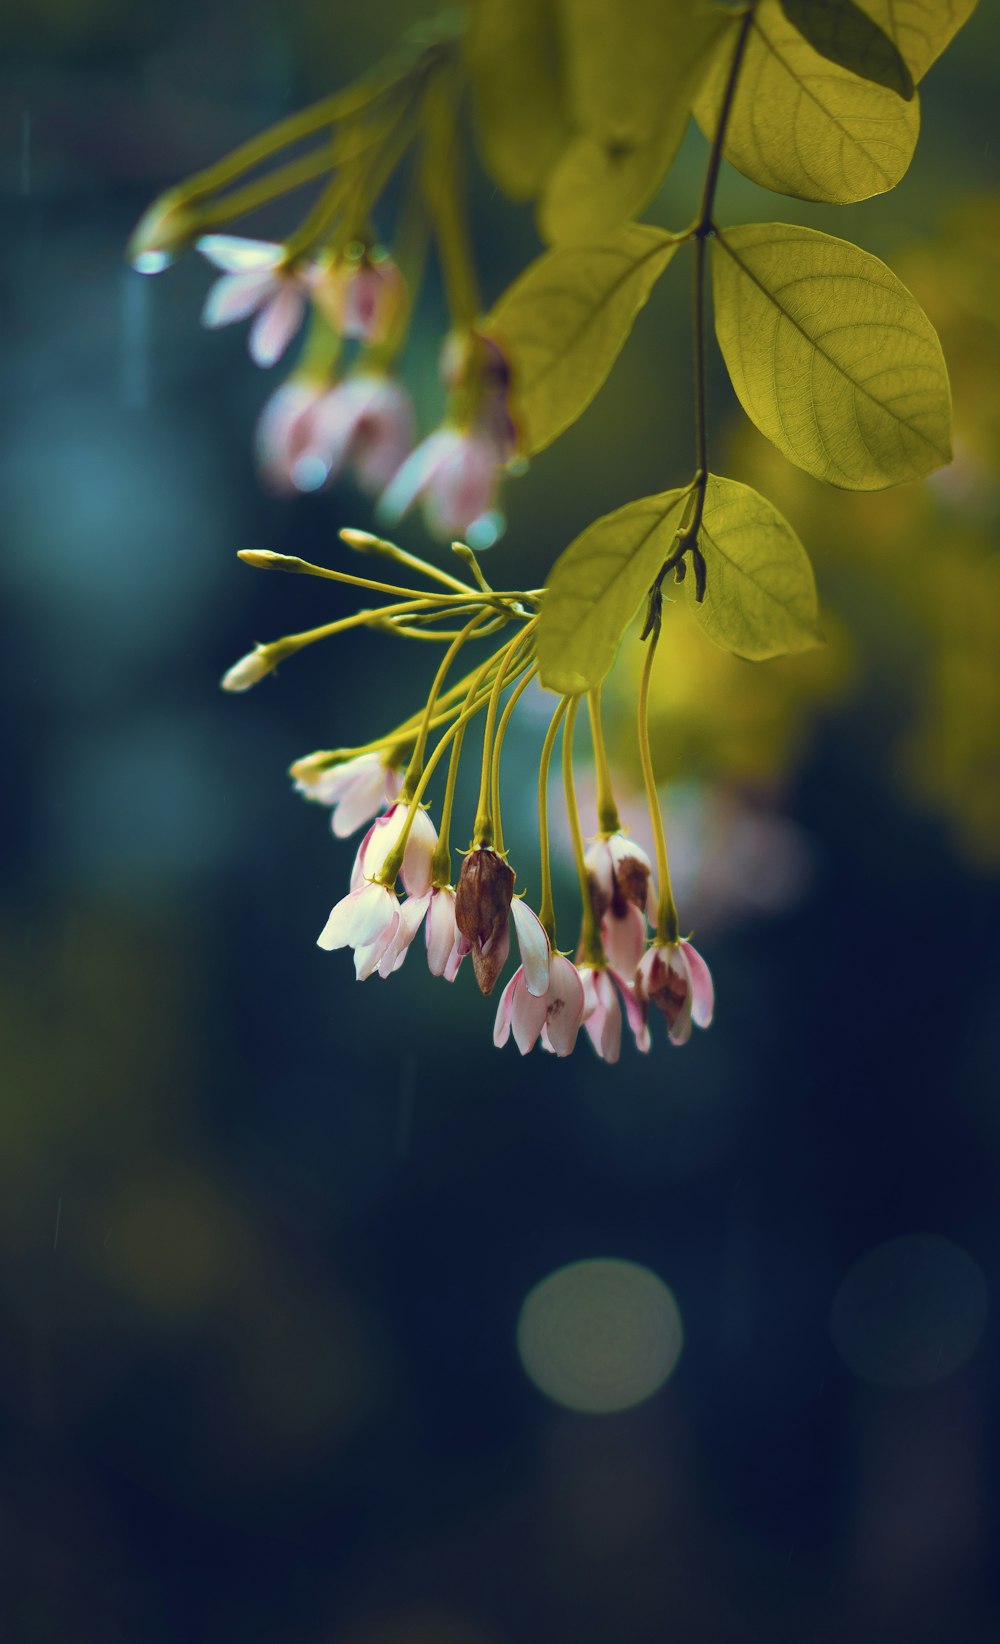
x=920 y=28
x=841 y=31
x=564 y=322
x=632 y=72
x=802 y=125
x=760 y=598
x=512 y=55
x=831 y=356
x=597 y=585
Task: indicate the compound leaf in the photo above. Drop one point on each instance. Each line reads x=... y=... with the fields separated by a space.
x=830 y=356
x=841 y=31
x=760 y=598
x=802 y=125
x=919 y=28
x=597 y=585
x=565 y=320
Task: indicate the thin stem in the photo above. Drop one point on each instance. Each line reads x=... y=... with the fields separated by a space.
x=482 y=833
x=393 y=861
x=667 y=924
x=608 y=820
x=445 y=199
x=241 y=201
x=415 y=766
x=511 y=704
x=290 y=643
x=547 y=912
x=363 y=542
x=591 y=951
x=441 y=862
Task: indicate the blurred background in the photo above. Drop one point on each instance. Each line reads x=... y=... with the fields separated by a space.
x=323 y=1321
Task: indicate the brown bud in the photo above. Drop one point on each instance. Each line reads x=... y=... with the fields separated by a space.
x=482 y=912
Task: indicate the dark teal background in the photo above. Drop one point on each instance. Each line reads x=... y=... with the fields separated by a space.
x=265 y=1234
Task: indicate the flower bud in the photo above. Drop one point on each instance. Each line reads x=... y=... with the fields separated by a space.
x=248 y=670
x=482 y=912
x=161 y=234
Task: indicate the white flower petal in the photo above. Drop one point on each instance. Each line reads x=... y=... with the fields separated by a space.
x=501 y=1027
x=276 y=324
x=534 y=945
x=234 y=297
x=237 y=255
x=415 y=474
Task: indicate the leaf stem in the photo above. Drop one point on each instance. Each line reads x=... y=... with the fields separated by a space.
x=591 y=951
x=546 y=911
x=667 y=924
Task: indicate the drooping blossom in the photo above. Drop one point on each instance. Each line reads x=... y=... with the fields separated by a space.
x=455 y=472
x=675 y=978
x=446 y=946
x=365 y=920
x=555 y=1013
x=621 y=895
x=362 y=293
x=257 y=280
x=604 y=992
x=357 y=789
x=309 y=434
x=383 y=836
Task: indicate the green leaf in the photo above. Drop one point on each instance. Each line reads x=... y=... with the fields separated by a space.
x=511 y=51
x=598 y=584
x=831 y=356
x=841 y=31
x=564 y=322
x=632 y=72
x=920 y=28
x=760 y=598
x=802 y=125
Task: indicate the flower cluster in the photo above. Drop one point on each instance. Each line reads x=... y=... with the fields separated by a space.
x=629 y=956
x=341 y=411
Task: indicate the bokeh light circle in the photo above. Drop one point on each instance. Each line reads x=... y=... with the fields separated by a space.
x=600 y=1335
x=910 y=1312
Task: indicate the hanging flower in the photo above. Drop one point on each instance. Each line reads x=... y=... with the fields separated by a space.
x=676 y=979
x=604 y=992
x=556 y=1013
x=365 y=920
x=362 y=293
x=357 y=789
x=256 y=280
x=446 y=946
x=309 y=434
x=482 y=911
x=456 y=473
x=383 y=836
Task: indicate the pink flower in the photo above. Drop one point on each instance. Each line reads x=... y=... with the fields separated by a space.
x=676 y=979
x=365 y=423
x=366 y=920
x=362 y=295
x=446 y=946
x=256 y=281
x=309 y=433
x=556 y=1013
x=602 y=1015
x=621 y=895
x=382 y=837
x=357 y=789
x=456 y=473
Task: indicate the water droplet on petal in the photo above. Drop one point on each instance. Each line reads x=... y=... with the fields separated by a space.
x=152 y=262
x=486 y=530
x=309 y=472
